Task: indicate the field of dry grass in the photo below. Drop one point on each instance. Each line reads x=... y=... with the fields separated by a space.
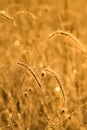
x=43 y=65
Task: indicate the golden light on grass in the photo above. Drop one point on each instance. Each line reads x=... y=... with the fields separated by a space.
x=17 y=43
x=57 y=89
x=53 y=96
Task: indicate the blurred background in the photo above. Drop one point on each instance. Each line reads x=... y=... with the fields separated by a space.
x=25 y=27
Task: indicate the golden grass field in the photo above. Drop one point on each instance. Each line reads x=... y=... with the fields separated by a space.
x=43 y=65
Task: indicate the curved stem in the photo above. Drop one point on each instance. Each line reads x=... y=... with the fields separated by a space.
x=65 y=33
x=32 y=72
x=58 y=80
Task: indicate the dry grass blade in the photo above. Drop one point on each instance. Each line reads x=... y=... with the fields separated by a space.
x=71 y=114
x=11 y=124
x=26 y=13
x=82 y=119
x=39 y=84
x=4 y=14
x=58 y=80
x=32 y=72
x=7 y=16
x=70 y=36
x=18 y=94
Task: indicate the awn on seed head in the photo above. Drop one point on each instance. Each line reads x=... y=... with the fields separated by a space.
x=65 y=33
x=32 y=72
x=39 y=84
x=26 y=13
x=7 y=16
x=11 y=19
x=58 y=80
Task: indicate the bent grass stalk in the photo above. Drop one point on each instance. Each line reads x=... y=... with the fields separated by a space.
x=32 y=72
x=36 y=79
x=58 y=80
x=7 y=16
x=26 y=13
x=65 y=33
x=39 y=84
x=12 y=20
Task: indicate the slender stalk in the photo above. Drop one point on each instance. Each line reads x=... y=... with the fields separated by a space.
x=58 y=80
x=32 y=72
x=18 y=94
x=7 y=16
x=26 y=13
x=65 y=33
x=82 y=120
x=71 y=114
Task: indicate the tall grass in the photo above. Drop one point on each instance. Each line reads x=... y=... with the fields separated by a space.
x=32 y=102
